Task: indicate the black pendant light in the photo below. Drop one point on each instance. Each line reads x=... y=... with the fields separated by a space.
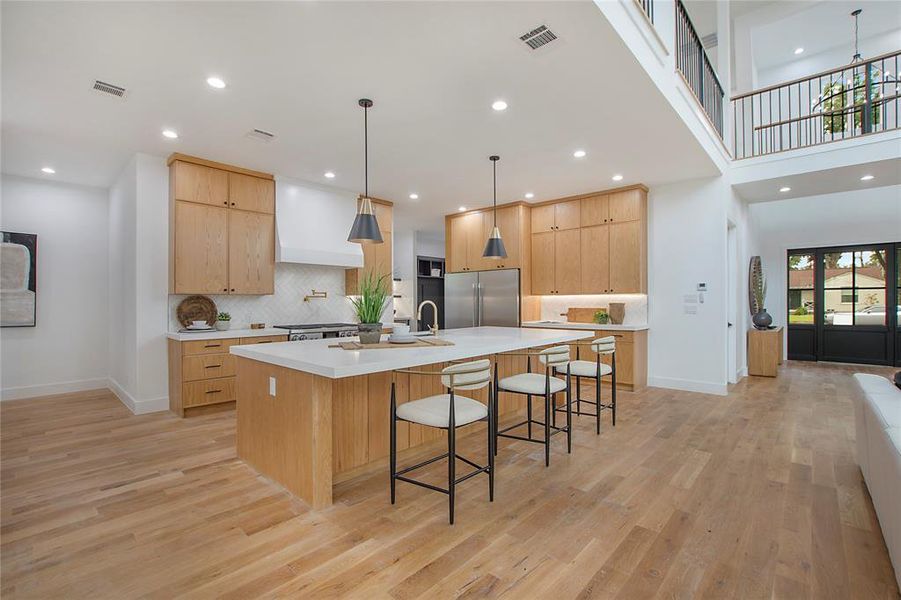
x=495 y=246
x=365 y=228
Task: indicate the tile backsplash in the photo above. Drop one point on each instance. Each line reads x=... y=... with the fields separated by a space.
x=286 y=305
x=636 y=306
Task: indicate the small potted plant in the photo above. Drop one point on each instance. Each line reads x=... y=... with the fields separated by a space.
x=223 y=321
x=370 y=305
x=601 y=317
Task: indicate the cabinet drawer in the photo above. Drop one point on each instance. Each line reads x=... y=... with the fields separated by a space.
x=264 y=339
x=207 y=366
x=211 y=391
x=621 y=336
x=208 y=346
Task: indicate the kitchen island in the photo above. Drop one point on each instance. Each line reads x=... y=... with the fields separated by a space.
x=311 y=415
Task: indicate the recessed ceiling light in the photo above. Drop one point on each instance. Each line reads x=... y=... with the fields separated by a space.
x=215 y=82
x=799 y=50
x=462 y=208
x=530 y=195
x=579 y=153
x=169 y=133
x=866 y=177
x=617 y=177
x=414 y=196
x=48 y=170
x=785 y=189
x=499 y=105
x=329 y=175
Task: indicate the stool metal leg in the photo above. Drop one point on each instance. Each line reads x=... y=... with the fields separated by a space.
x=597 y=398
x=451 y=458
x=569 y=413
x=613 y=387
x=578 y=396
x=529 y=414
x=547 y=424
x=492 y=440
x=393 y=439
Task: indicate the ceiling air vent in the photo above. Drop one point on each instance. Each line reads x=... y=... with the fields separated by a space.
x=260 y=134
x=538 y=37
x=108 y=88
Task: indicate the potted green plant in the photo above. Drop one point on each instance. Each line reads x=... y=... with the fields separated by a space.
x=370 y=305
x=601 y=317
x=223 y=321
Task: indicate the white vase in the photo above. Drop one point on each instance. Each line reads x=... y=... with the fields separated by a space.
x=223 y=325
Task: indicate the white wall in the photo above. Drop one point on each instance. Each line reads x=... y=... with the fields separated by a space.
x=687 y=225
x=67 y=349
x=860 y=217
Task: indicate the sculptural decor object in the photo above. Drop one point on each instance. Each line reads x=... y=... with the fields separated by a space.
x=757 y=295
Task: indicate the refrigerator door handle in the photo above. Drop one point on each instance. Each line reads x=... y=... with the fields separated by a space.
x=475 y=305
x=481 y=303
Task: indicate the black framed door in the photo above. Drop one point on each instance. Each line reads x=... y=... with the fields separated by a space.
x=843 y=304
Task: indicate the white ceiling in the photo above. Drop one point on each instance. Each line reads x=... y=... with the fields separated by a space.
x=297 y=69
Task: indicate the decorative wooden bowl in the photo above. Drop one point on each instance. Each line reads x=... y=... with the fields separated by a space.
x=196 y=308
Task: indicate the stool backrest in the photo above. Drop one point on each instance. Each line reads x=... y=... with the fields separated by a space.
x=558 y=355
x=604 y=345
x=467 y=376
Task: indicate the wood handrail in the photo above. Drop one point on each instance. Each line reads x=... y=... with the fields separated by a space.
x=815 y=75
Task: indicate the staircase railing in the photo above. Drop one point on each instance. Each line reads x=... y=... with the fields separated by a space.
x=694 y=65
x=847 y=102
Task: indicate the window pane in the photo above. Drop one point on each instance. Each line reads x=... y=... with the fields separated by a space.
x=836 y=311
x=837 y=267
x=869 y=268
x=870 y=308
x=800 y=294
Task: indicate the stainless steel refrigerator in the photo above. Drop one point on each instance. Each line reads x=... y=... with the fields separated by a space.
x=480 y=298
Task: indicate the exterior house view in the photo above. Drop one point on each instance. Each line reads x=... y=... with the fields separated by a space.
x=424 y=300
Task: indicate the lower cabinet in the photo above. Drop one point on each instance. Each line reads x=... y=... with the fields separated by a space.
x=631 y=358
x=202 y=372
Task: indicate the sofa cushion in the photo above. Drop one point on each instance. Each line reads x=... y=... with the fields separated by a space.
x=870 y=383
x=886 y=408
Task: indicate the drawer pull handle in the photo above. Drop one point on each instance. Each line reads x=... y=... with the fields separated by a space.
x=212 y=345
x=212 y=366
x=213 y=391
x=265 y=342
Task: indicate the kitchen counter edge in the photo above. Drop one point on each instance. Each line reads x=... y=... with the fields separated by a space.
x=590 y=326
x=225 y=335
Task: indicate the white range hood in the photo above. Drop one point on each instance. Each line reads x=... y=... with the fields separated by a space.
x=312 y=224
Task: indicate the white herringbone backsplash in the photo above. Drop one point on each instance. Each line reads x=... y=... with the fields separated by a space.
x=286 y=305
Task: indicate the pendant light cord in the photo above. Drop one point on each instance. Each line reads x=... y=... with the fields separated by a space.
x=366 y=151
x=494 y=169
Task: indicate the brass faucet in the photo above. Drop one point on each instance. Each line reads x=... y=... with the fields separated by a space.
x=433 y=328
x=315 y=295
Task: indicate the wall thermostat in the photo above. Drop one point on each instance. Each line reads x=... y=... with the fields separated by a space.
x=702 y=287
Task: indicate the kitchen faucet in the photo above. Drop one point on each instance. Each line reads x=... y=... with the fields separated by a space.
x=434 y=327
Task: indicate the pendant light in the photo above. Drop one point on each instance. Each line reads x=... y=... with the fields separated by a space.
x=365 y=228
x=495 y=246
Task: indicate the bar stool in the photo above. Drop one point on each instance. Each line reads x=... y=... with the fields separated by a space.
x=447 y=411
x=534 y=384
x=594 y=369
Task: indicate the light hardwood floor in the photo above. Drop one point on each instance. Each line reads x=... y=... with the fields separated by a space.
x=754 y=495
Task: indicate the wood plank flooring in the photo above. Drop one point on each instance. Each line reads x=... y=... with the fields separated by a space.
x=753 y=495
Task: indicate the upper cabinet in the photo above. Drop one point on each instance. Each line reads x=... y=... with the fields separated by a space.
x=221 y=229
x=377 y=258
x=466 y=235
x=556 y=216
x=465 y=242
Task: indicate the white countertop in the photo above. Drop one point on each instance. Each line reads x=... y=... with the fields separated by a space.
x=315 y=356
x=224 y=335
x=591 y=326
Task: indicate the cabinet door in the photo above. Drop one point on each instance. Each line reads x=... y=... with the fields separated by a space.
x=595 y=259
x=594 y=210
x=543 y=263
x=251 y=252
x=625 y=206
x=508 y=222
x=625 y=257
x=201 y=249
x=196 y=183
x=567 y=215
x=381 y=259
x=251 y=193
x=475 y=243
x=567 y=262
x=543 y=218
x=457 y=246
x=384 y=215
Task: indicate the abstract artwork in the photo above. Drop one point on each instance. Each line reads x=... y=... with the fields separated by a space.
x=18 y=279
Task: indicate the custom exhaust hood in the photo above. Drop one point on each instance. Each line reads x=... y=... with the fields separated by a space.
x=312 y=224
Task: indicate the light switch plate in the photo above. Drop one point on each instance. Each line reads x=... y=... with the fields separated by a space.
x=272 y=386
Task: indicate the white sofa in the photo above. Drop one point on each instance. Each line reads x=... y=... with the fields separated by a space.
x=877 y=418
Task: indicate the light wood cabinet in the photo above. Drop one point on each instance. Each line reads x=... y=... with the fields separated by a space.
x=627 y=270
x=465 y=251
x=556 y=216
x=595 y=257
x=246 y=192
x=221 y=228
x=468 y=233
x=377 y=258
x=542 y=218
x=543 y=262
x=202 y=372
x=251 y=252
x=567 y=262
x=201 y=242
x=200 y=184
x=595 y=210
x=631 y=358
x=627 y=205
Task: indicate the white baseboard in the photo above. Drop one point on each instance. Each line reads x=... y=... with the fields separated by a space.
x=742 y=372
x=138 y=407
x=689 y=385
x=50 y=389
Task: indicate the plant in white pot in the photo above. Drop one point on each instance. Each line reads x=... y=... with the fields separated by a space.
x=223 y=321
x=370 y=305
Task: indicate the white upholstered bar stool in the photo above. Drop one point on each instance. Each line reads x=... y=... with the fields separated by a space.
x=447 y=411
x=535 y=384
x=594 y=369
